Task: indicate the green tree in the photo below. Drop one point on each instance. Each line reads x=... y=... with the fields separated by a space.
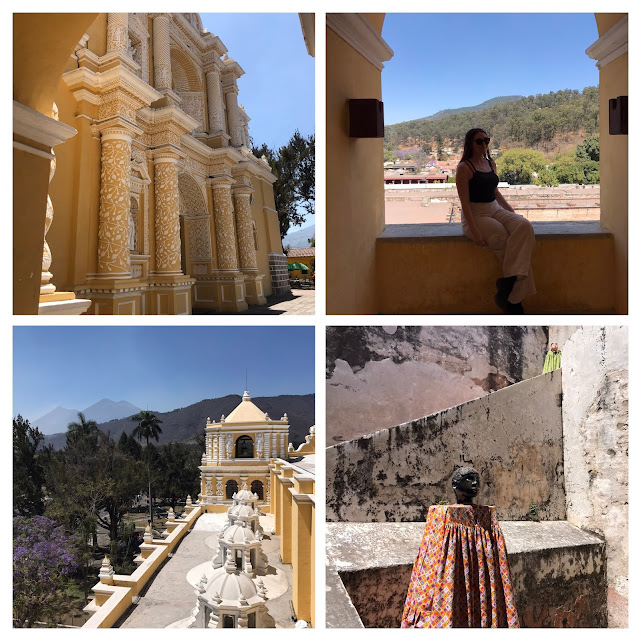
x=179 y=474
x=589 y=149
x=81 y=429
x=312 y=241
x=440 y=155
x=547 y=177
x=389 y=156
x=148 y=426
x=516 y=166
x=28 y=471
x=295 y=185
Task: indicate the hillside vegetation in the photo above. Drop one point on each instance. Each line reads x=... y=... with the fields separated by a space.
x=529 y=122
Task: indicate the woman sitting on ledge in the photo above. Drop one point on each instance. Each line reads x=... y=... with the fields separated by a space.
x=490 y=222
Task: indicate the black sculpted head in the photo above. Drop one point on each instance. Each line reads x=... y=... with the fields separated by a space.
x=466 y=483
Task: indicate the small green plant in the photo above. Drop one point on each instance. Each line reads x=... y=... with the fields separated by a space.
x=533 y=512
x=442 y=501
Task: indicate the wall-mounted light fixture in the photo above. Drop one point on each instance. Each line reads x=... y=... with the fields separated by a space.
x=365 y=118
x=619 y=116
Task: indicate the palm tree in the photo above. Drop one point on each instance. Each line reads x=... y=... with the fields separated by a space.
x=148 y=427
x=81 y=429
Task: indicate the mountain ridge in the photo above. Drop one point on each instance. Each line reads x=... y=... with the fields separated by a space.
x=186 y=424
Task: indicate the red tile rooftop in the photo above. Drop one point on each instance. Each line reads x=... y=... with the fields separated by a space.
x=300 y=252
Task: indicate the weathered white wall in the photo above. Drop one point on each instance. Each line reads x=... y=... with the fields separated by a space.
x=378 y=377
x=513 y=437
x=595 y=435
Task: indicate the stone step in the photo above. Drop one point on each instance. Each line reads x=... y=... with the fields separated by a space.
x=558 y=572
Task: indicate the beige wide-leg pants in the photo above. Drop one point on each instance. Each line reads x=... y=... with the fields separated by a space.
x=511 y=237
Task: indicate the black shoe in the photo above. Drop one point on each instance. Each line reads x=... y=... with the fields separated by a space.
x=503 y=290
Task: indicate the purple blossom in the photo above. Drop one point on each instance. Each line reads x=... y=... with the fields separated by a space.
x=42 y=557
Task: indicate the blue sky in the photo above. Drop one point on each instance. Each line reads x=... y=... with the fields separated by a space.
x=159 y=367
x=277 y=89
x=450 y=60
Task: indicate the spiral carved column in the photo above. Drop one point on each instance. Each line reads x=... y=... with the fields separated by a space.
x=234 y=118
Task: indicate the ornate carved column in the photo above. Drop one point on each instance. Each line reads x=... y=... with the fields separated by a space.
x=242 y=193
x=224 y=220
x=215 y=101
x=234 y=122
x=117 y=32
x=162 y=58
x=113 y=229
x=167 y=223
x=229 y=282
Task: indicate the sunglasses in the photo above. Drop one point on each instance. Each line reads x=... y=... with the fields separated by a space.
x=481 y=141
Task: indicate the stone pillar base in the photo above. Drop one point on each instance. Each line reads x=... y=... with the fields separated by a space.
x=254 y=294
x=230 y=292
x=279 y=274
x=114 y=296
x=62 y=303
x=170 y=295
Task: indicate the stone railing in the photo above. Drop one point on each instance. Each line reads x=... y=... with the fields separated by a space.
x=114 y=593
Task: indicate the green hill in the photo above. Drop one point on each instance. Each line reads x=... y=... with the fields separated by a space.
x=528 y=122
x=484 y=105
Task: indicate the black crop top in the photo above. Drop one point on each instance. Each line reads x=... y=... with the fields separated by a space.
x=482 y=185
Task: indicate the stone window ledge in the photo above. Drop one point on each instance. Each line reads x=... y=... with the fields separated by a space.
x=452 y=231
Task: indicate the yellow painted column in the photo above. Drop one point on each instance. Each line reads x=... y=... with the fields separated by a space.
x=242 y=194
x=229 y=282
x=113 y=230
x=167 y=210
x=276 y=498
x=302 y=548
x=286 y=482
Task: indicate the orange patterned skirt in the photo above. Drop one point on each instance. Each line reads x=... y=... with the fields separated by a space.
x=461 y=576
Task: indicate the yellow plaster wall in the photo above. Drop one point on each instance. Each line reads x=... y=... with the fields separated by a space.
x=355 y=190
x=423 y=276
x=613 y=82
x=262 y=233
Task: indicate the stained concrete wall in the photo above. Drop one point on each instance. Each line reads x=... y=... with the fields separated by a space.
x=513 y=437
x=595 y=421
x=383 y=376
x=558 y=573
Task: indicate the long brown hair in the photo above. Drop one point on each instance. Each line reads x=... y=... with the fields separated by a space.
x=469 y=142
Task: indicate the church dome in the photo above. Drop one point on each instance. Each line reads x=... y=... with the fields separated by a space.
x=244 y=495
x=239 y=533
x=241 y=510
x=230 y=586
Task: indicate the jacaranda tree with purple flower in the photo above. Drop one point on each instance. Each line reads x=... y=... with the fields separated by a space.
x=42 y=559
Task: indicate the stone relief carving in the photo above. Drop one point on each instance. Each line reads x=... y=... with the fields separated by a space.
x=133 y=225
x=136 y=270
x=219 y=487
x=193 y=105
x=199 y=245
x=167 y=223
x=259 y=446
x=224 y=220
x=113 y=236
x=245 y=231
x=228 y=446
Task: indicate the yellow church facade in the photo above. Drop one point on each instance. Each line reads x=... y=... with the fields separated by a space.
x=155 y=203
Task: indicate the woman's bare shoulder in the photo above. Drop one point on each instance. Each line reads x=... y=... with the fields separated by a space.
x=463 y=167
